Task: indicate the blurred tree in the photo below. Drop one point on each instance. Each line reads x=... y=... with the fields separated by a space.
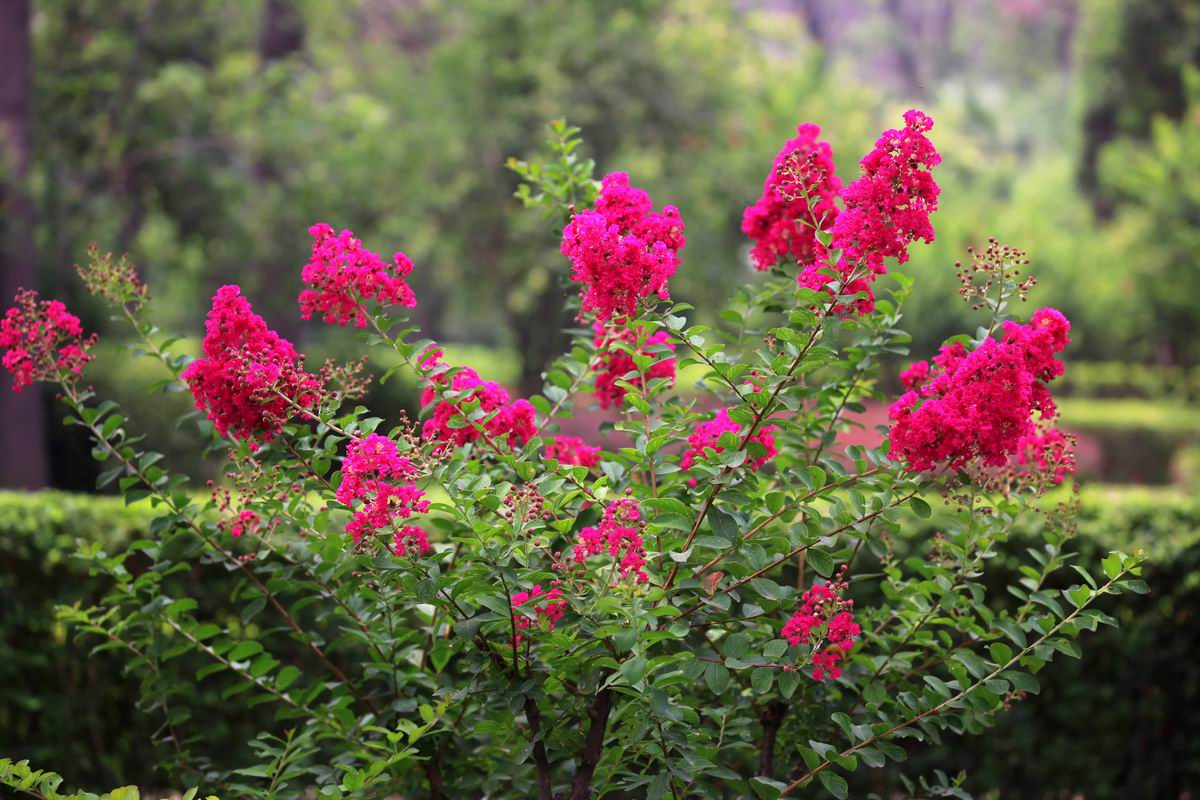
x=21 y=415
x=1158 y=188
x=1132 y=53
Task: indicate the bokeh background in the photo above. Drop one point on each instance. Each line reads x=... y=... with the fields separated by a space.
x=203 y=137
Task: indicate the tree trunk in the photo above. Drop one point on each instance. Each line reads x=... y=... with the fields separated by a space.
x=589 y=758
x=540 y=336
x=282 y=30
x=23 y=457
x=281 y=36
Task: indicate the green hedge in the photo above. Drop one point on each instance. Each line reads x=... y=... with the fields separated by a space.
x=62 y=706
x=1140 y=441
x=1116 y=724
x=1118 y=379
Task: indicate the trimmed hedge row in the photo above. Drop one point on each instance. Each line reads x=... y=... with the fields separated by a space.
x=61 y=706
x=1115 y=724
x=1123 y=380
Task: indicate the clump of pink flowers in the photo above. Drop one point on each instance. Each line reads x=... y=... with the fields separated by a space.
x=249 y=380
x=42 y=341
x=798 y=199
x=707 y=436
x=613 y=363
x=619 y=534
x=886 y=209
x=246 y=522
x=511 y=421
x=547 y=605
x=382 y=484
x=1048 y=452
x=341 y=274
x=573 y=450
x=622 y=250
x=825 y=623
x=979 y=404
x=411 y=541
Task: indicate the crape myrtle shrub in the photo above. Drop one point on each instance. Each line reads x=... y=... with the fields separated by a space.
x=516 y=613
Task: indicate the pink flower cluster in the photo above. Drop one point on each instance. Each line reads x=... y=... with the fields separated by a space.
x=1048 y=452
x=979 y=404
x=42 y=340
x=824 y=624
x=572 y=450
x=887 y=209
x=547 y=605
x=410 y=541
x=384 y=482
x=620 y=535
x=798 y=196
x=341 y=274
x=622 y=250
x=511 y=421
x=249 y=379
x=708 y=434
x=613 y=363
x=246 y=522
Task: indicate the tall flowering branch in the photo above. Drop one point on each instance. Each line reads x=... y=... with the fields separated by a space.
x=380 y=484
x=886 y=210
x=979 y=404
x=448 y=391
x=622 y=250
x=798 y=200
x=249 y=380
x=341 y=274
x=42 y=341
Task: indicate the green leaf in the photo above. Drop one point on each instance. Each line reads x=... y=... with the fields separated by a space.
x=775 y=648
x=788 y=683
x=717 y=678
x=244 y=650
x=834 y=784
x=736 y=645
x=1079 y=596
x=820 y=561
x=723 y=525
x=766 y=788
x=1023 y=681
x=257 y=771
x=286 y=677
x=920 y=507
x=1137 y=586
x=634 y=669
x=1013 y=631
x=1000 y=653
